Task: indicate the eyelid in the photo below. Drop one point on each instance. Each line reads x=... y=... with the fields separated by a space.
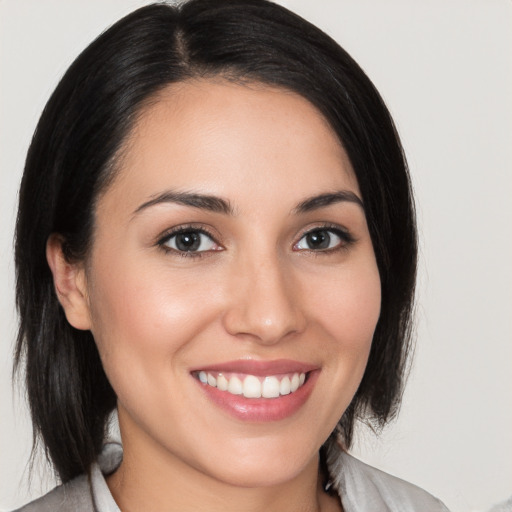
x=347 y=238
x=163 y=238
x=343 y=233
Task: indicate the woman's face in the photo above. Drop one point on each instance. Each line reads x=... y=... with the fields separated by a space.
x=232 y=248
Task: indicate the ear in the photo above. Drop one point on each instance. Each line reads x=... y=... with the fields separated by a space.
x=70 y=284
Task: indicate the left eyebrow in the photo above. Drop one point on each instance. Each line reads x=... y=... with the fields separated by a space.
x=324 y=200
x=201 y=201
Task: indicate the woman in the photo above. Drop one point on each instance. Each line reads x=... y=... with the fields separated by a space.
x=216 y=238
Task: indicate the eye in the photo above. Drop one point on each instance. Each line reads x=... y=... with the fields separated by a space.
x=189 y=240
x=323 y=239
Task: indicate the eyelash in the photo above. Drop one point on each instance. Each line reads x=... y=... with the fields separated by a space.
x=346 y=239
x=186 y=229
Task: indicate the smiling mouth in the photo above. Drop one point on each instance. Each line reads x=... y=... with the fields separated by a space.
x=252 y=386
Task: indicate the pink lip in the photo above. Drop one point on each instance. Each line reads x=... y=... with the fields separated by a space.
x=261 y=409
x=259 y=368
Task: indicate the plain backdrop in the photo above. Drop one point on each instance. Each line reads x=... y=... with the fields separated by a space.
x=444 y=67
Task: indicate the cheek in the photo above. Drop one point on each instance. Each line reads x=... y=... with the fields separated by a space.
x=349 y=307
x=347 y=313
x=141 y=321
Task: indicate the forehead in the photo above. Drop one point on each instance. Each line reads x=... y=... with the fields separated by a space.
x=223 y=138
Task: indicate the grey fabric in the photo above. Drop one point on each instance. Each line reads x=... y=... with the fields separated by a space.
x=361 y=488
x=506 y=506
x=73 y=496
x=108 y=462
x=83 y=494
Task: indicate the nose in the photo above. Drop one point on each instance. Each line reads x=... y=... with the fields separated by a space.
x=265 y=304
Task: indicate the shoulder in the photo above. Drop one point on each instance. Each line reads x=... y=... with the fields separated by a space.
x=72 y=496
x=86 y=493
x=364 y=488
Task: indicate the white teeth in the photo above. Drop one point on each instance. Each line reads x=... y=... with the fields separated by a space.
x=222 y=382
x=252 y=386
x=235 y=386
x=294 y=385
x=285 y=386
x=270 y=387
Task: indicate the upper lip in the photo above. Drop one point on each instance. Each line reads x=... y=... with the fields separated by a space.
x=259 y=368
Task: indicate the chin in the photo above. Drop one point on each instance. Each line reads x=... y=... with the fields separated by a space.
x=261 y=475
x=265 y=464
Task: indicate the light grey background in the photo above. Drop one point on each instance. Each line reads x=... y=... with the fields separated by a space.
x=444 y=67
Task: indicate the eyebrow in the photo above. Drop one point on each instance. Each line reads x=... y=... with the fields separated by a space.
x=219 y=205
x=324 y=200
x=204 y=202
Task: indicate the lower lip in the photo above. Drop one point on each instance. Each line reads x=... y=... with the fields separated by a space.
x=261 y=409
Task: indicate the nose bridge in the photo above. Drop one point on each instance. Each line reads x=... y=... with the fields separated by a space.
x=265 y=304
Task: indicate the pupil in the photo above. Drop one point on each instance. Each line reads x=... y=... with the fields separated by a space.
x=318 y=240
x=188 y=241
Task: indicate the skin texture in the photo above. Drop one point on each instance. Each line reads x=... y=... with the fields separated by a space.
x=257 y=292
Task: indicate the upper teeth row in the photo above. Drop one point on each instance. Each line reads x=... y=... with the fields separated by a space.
x=252 y=387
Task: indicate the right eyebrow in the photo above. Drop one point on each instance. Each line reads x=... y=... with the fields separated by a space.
x=201 y=201
x=324 y=200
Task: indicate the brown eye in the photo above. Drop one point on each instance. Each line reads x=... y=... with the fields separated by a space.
x=323 y=239
x=318 y=240
x=191 y=240
x=188 y=241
